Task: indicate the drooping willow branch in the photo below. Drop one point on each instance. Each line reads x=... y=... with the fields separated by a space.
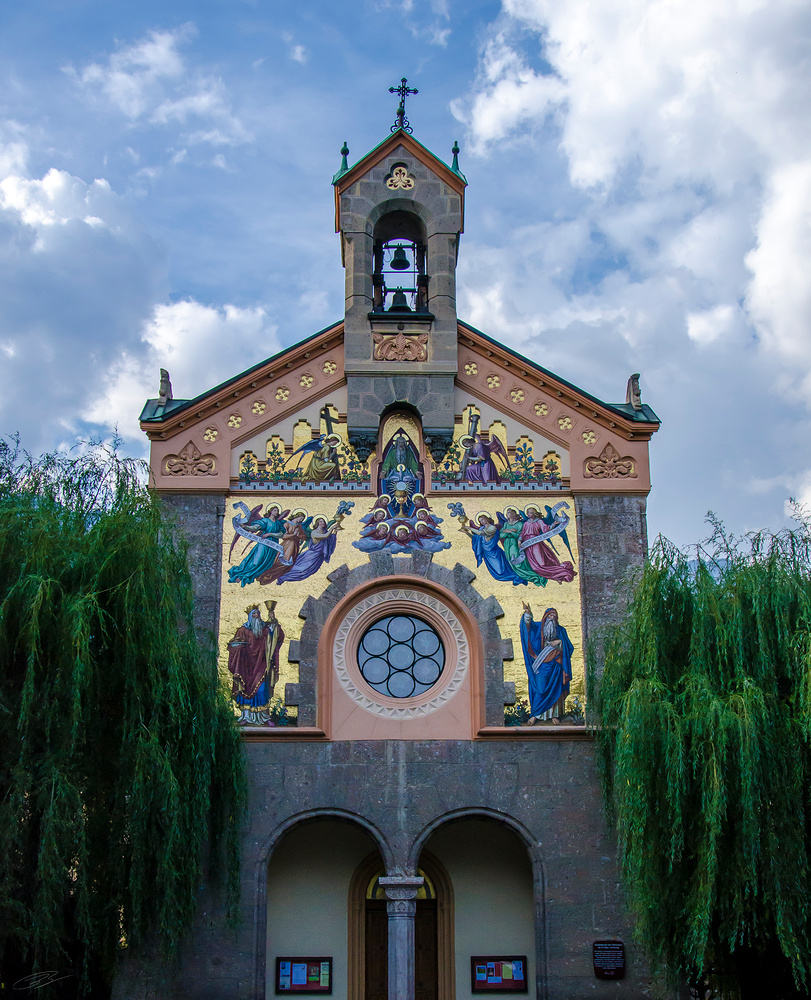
x=704 y=709
x=119 y=756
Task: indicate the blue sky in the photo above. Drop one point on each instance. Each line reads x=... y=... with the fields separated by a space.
x=639 y=200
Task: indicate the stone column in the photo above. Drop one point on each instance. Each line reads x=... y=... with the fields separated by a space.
x=401 y=893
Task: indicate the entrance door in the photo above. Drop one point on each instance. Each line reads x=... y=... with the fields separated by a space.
x=377 y=950
x=425 y=946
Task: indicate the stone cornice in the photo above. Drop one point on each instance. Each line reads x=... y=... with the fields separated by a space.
x=266 y=377
x=505 y=379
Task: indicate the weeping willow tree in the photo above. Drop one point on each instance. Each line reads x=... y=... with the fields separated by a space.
x=705 y=717
x=119 y=762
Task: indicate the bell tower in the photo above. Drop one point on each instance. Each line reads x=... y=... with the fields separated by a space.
x=400 y=213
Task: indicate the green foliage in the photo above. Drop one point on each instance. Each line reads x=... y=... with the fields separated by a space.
x=705 y=716
x=120 y=758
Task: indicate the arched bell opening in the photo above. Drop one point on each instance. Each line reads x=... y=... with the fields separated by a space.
x=369 y=933
x=399 y=279
x=310 y=875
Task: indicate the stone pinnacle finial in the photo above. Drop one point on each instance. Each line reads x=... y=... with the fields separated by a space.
x=632 y=393
x=165 y=390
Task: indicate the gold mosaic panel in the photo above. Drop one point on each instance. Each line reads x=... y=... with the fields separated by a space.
x=290 y=596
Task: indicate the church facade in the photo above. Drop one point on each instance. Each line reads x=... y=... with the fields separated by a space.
x=405 y=537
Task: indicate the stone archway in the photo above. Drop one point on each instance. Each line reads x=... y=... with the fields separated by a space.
x=529 y=848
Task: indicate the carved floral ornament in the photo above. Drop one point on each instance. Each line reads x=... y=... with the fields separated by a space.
x=401 y=347
x=189 y=462
x=609 y=465
x=400 y=179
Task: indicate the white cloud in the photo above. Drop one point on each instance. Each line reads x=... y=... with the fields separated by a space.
x=671 y=139
x=706 y=327
x=77 y=277
x=190 y=340
x=779 y=298
x=149 y=81
x=135 y=75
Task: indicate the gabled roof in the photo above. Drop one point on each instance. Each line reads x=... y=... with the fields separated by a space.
x=157 y=419
x=640 y=424
x=345 y=178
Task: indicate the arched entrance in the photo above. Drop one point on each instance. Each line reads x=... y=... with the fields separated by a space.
x=309 y=875
x=494 y=893
x=369 y=934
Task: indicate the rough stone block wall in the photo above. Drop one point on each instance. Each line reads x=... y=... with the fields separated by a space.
x=547 y=791
x=199 y=518
x=612 y=539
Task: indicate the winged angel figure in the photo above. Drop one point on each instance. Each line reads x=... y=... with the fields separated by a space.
x=284 y=545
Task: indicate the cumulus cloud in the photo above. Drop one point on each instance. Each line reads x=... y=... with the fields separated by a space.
x=149 y=81
x=78 y=277
x=190 y=340
x=675 y=230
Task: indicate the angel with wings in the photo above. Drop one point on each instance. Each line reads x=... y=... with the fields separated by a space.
x=478 y=465
x=297 y=545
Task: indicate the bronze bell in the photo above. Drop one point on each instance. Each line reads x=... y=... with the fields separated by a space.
x=399 y=303
x=399 y=261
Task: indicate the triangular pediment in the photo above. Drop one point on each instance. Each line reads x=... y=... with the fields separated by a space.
x=389 y=146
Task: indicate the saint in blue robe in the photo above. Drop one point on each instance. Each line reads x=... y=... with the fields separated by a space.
x=549 y=668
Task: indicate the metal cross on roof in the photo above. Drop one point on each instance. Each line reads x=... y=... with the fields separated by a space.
x=403 y=90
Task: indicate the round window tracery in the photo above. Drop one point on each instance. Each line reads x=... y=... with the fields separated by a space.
x=401 y=656
x=372 y=609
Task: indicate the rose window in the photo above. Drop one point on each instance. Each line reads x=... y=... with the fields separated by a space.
x=401 y=656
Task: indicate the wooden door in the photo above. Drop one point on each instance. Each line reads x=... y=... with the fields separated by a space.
x=425 y=946
x=377 y=950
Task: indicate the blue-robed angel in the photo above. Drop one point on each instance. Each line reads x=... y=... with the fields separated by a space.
x=265 y=534
x=484 y=537
x=548 y=658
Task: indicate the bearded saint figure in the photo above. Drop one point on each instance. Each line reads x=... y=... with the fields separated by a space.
x=253 y=660
x=548 y=659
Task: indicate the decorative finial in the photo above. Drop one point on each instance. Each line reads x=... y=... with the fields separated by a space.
x=401 y=122
x=632 y=393
x=455 y=151
x=165 y=391
x=344 y=165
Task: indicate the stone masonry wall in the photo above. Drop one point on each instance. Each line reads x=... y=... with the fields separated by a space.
x=199 y=517
x=545 y=790
x=612 y=540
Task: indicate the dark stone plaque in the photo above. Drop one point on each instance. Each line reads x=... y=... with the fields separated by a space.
x=609 y=959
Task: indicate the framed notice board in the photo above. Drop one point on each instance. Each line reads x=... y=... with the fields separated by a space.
x=609 y=959
x=310 y=974
x=498 y=974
